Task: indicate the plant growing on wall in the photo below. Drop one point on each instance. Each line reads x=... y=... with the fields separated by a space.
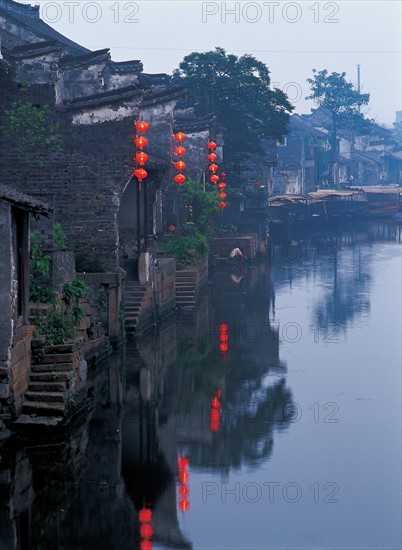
x=187 y=249
x=66 y=315
x=31 y=129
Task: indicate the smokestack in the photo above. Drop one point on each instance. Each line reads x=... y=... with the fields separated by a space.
x=358 y=82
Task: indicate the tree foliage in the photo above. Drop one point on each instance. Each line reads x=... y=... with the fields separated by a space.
x=334 y=93
x=199 y=205
x=238 y=91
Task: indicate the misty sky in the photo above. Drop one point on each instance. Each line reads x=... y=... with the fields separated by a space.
x=291 y=38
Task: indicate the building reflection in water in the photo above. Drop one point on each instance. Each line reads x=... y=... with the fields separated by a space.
x=177 y=400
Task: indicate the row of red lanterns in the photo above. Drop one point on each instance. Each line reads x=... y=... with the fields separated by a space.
x=182 y=464
x=214 y=178
x=180 y=164
x=140 y=157
x=146 y=529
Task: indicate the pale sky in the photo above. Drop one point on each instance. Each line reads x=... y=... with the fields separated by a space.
x=291 y=38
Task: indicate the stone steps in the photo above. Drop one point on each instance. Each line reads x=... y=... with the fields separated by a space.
x=41 y=408
x=52 y=367
x=47 y=386
x=59 y=376
x=133 y=298
x=45 y=396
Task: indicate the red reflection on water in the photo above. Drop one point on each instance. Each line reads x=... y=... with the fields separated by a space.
x=223 y=337
x=214 y=413
x=183 y=464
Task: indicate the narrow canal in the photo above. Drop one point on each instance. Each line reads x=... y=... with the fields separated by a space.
x=268 y=419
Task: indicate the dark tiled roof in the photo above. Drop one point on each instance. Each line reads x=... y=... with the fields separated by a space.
x=163 y=96
x=21 y=200
x=27 y=16
x=86 y=59
x=193 y=124
x=104 y=98
x=126 y=67
x=36 y=49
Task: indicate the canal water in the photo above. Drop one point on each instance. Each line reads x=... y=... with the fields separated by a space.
x=270 y=418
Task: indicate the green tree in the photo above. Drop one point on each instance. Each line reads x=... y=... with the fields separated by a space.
x=238 y=91
x=199 y=205
x=342 y=101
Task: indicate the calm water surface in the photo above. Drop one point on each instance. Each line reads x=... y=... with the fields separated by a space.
x=288 y=439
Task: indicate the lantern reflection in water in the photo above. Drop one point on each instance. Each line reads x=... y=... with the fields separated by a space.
x=214 y=415
x=183 y=463
x=146 y=529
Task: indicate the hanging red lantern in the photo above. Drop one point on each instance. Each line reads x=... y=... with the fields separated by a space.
x=144 y=515
x=141 y=142
x=180 y=151
x=222 y=185
x=146 y=545
x=214 y=179
x=184 y=490
x=180 y=165
x=140 y=174
x=211 y=145
x=182 y=462
x=142 y=126
x=222 y=205
x=141 y=158
x=183 y=476
x=222 y=195
x=180 y=137
x=222 y=175
x=180 y=179
x=213 y=168
x=146 y=531
x=212 y=157
x=184 y=505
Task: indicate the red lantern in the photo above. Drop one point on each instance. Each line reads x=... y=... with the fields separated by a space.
x=146 y=531
x=141 y=142
x=142 y=126
x=214 y=179
x=180 y=151
x=212 y=157
x=222 y=195
x=184 y=505
x=183 y=476
x=213 y=168
x=222 y=205
x=221 y=185
x=182 y=462
x=223 y=346
x=184 y=490
x=145 y=545
x=144 y=515
x=179 y=179
x=222 y=175
x=141 y=158
x=211 y=145
x=180 y=137
x=140 y=174
x=180 y=165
